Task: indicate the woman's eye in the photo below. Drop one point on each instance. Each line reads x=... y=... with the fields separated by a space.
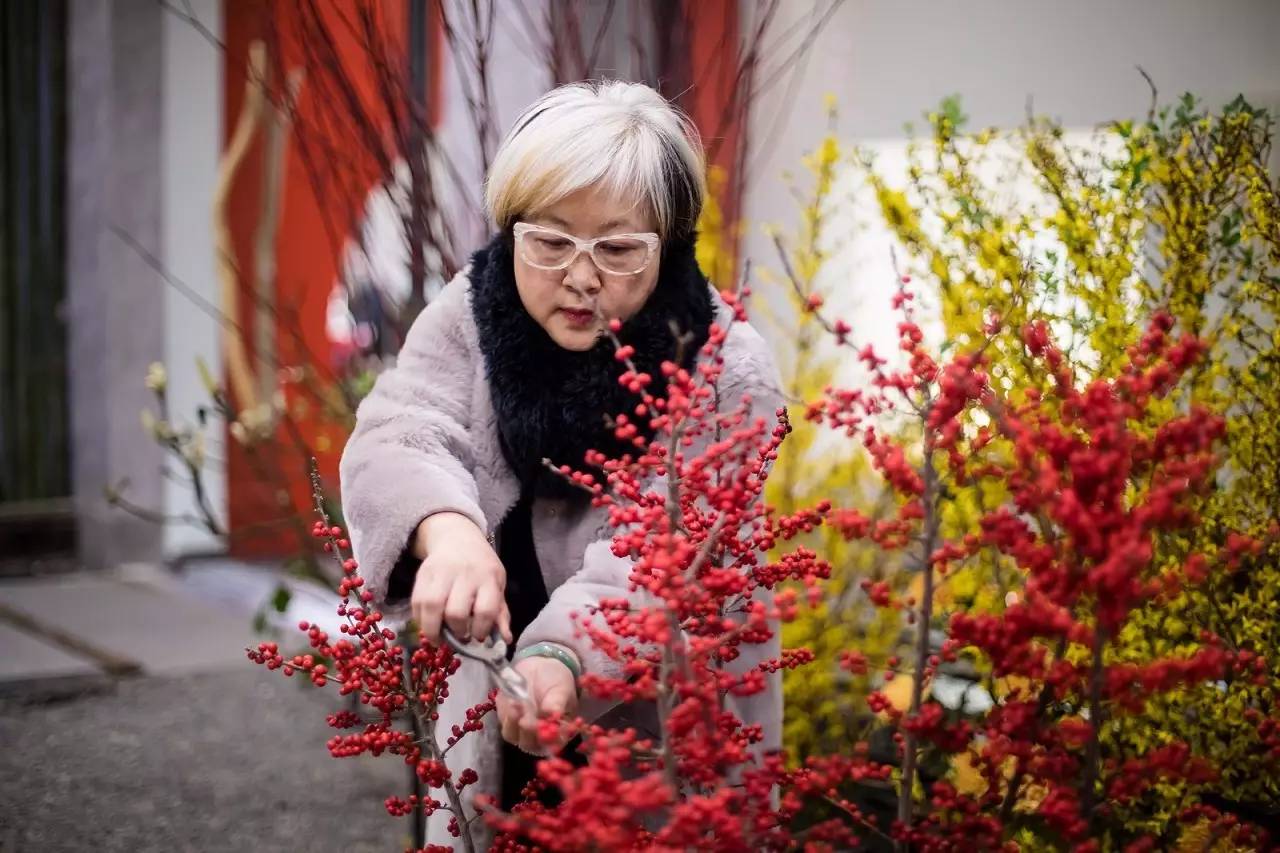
x=617 y=248
x=552 y=242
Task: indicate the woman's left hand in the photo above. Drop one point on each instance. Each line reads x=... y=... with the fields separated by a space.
x=551 y=691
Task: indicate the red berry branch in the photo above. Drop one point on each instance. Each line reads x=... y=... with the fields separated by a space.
x=394 y=681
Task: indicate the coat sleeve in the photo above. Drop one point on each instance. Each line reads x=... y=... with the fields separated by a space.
x=410 y=455
x=605 y=575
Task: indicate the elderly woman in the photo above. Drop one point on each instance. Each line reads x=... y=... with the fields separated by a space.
x=595 y=192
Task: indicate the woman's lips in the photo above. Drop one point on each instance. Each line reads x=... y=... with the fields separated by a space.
x=579 y=317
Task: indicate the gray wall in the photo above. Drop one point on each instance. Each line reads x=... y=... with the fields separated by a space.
x=889 y=62
x=516 y=79
x=115 y=300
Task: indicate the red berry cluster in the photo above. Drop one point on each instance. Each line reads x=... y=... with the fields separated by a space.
x=1098 y=477
x=368 y=663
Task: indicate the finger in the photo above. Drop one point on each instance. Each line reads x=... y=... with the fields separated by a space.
x=484 y=613
x=509 y=721
x=511 y=733
x=502 y=706
x=504 y=623
x=555 y=700
x=428 y=608
x=528 y=732
x=457 y=610
x=528 y=716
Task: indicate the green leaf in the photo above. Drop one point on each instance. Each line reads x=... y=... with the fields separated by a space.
x=280 y=600
x=1139 y=167
x=950 y=109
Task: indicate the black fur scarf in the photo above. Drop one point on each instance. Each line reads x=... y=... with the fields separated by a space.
x=552 y=402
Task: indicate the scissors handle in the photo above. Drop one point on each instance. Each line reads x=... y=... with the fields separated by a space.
x=493 y=654
x=492 y=649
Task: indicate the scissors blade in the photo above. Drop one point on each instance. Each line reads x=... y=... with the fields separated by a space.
x=509 y=681
x=493 y=654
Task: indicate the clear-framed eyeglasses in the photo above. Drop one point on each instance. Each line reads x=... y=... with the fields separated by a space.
x=620 y=254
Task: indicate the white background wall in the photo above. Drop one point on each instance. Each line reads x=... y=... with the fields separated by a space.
x=887 y=62
x=192 y=128
x=517 y=76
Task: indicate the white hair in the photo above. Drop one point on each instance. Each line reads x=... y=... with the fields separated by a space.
x=624 y=136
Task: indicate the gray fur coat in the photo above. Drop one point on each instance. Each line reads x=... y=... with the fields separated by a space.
x=426 y=441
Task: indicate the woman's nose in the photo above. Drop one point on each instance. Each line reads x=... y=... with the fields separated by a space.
x=582 y=274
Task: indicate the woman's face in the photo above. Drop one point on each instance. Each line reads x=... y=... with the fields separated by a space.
x=565 y=302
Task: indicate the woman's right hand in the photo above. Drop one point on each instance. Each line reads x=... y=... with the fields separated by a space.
x=461 y=582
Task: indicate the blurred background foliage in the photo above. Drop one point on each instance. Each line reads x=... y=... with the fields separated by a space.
x=1093 y=232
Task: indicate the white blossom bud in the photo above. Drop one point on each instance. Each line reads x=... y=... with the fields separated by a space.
x=157 y=377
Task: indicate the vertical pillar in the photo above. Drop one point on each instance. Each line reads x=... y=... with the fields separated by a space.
x=191 y=143
x=115 y=299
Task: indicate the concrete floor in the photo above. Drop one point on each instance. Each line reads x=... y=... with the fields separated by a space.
x=131 y=720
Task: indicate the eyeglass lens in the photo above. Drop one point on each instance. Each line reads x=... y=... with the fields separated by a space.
x=617 y=255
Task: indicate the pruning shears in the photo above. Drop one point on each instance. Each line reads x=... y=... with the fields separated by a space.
x=493 y=654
